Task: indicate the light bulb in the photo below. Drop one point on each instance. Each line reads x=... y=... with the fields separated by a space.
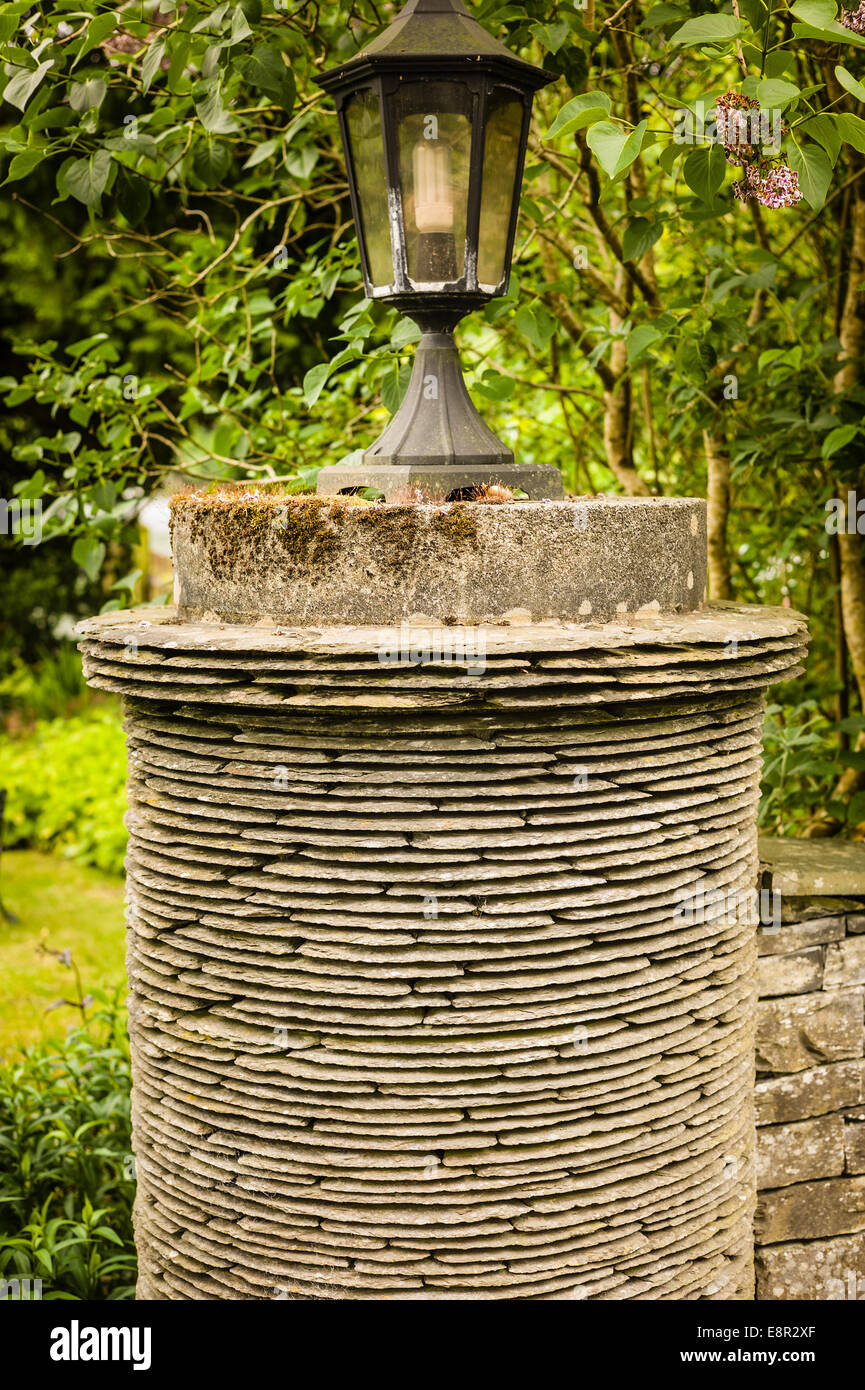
x=433 y=198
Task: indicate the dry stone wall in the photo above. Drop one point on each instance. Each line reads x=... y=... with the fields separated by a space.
x=810 y=1092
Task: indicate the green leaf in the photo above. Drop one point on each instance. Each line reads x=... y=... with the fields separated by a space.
x=89 y=553
x=812 y=165
x=606 y=141
x=708 y=28
x=495 y=387
x=639 y=236
x=641 y=339
x=212 y=161
x=850 y=84
x=394 y=387
x=128 y=581
x=265 y=69
x=662 y=14
x=133 y=197
x=89 y=95
x=831 y=32
x=631 y=148
x=536 y=324
x=261 y=152
x=551 y=36
x=98 y=29
x=213 y=115
x=150 y=65
x=406 y=332
x=774 y=93
x=314 y=381
x=815 y=12
x=824 y=130
x=23 y=164
x=851 y=129
x=582 y=111
x=86 y=178
x=20 y=89
x=837 y=439
x=704 y=171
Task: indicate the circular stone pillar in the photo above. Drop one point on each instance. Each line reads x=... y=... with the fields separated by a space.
x=441 y=937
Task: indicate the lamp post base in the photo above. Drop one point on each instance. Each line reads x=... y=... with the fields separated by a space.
x=437 y=442
x=445 y=482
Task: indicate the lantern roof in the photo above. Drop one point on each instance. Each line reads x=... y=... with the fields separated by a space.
x=432 y=35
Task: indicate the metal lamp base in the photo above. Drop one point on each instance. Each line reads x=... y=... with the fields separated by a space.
x=445 y=483
x=437 y=442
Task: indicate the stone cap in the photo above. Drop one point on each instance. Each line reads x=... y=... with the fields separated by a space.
x=241 y=556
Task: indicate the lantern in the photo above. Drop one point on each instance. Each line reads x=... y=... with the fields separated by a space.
x=434 y=117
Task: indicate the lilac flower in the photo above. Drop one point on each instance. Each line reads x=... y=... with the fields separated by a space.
x=771 y=187
x=780 y=188
x=854 y=19
x=736 y=126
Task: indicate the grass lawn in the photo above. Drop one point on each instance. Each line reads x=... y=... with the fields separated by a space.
x=66 y=905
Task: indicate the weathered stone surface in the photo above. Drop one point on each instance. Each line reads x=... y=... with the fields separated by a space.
x=795 y=1032
x=838 y=870
x=428 y=1017
x=856 y=923
x=845 y=963
x=811 y=1210
x=854 y=1144
x=799 y=1152
x=817 y=1270
x=797 y=936
x=818 y=1091
x=801 y=972
x=312 y=560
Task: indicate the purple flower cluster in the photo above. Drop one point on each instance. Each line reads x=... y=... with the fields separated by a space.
x=773 y=185
x=776 y=187
x=854 y=19
x=735 y=126
x=780 y=188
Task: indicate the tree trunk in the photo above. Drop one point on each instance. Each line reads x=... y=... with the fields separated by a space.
x=848 y=376
x=718 y=509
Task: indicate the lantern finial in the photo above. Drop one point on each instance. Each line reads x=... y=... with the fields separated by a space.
x=434 y=116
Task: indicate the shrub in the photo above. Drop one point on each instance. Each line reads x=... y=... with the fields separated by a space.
x=43 y=689
x=65 y=788
x=66 y=1173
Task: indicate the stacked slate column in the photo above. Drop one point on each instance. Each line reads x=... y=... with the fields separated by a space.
x=423 y=1003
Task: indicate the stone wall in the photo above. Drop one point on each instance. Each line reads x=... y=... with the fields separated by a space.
x=810 y=1092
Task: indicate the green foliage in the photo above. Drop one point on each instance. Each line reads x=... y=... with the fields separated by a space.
x=44 y=690
x=185 y=297
x=797 y=773
x=65 y=781
x=66 y=1170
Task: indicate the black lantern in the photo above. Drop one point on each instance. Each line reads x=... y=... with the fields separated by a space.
x=434 y=117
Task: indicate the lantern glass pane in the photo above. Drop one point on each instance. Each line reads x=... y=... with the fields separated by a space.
x=433 y=132
x=366 y=153
x=501 y=155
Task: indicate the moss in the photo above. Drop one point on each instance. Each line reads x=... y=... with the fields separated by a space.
x=228 y=521
x=304 y=532
x=457 y=524
x=221 y=520
x=391 y=531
